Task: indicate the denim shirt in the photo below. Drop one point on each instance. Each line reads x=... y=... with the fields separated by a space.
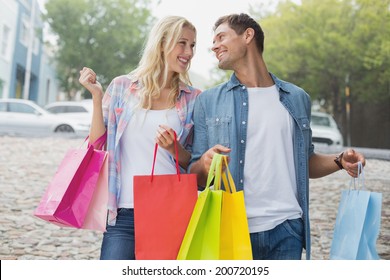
x=221 y=117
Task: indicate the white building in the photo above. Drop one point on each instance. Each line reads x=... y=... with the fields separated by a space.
x=8 y=30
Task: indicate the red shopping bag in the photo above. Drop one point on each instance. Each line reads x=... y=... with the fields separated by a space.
x=78 y=190
x=163 y=205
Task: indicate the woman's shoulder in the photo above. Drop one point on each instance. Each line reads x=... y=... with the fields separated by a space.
x=126 y=79
x=189 y=89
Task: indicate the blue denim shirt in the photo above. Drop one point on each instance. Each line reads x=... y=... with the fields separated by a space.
x=221 y=117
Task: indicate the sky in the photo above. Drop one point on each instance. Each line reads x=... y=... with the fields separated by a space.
x=203 y=14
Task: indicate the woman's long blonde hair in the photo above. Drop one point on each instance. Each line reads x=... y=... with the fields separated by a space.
x=152 y=68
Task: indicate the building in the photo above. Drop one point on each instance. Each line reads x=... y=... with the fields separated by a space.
x=25 y=68
x=8 y=28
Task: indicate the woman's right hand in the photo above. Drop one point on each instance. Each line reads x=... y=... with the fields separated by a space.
x=88 y=80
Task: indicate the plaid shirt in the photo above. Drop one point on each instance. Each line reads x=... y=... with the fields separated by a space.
x=119 y=102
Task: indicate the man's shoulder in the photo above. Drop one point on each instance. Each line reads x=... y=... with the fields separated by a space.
x=213 y=91
x=288 y=86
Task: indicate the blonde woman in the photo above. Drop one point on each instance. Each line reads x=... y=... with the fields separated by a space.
x=138 y=110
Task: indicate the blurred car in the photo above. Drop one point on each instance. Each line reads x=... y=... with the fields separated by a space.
x=25 y=117
x=76 y=110
x=325 y=130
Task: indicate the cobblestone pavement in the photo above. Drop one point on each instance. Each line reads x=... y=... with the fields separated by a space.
x=28 y=164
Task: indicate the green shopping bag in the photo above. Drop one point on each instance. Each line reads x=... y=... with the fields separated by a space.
x=202 y=238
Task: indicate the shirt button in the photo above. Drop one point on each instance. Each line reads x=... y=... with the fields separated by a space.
x=241 y=181
x=244 y=104
x=243 y=122
x=240 y=161
x=217 y=119
x=243 y=87
x=242 y=141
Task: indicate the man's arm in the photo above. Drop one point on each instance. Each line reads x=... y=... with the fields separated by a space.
x=321 y=165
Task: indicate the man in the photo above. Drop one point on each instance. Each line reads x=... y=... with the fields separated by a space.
x=263 y=124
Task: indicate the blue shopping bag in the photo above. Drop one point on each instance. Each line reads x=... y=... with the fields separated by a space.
x=357 y=223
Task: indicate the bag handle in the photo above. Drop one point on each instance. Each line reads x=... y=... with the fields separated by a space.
x=99 y=143
x=176 y=157
x=228 y=178
x=216 y=171
x=213 y=172
x=360 y=178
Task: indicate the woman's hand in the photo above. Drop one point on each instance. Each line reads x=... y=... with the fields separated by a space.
x=165 y=138
x=88 y=80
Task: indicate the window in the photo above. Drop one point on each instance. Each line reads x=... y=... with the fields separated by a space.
x=77 y=109
x=321 y=121
x=3 y=107
x=36 y=46
x=1 y=87
x=57 y=109
x=21 y=108
x=5 y=41
x=25 y=29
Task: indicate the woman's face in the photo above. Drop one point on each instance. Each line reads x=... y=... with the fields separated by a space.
x=179 y=58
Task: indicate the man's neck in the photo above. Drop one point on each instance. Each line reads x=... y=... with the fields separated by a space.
x=254 y=74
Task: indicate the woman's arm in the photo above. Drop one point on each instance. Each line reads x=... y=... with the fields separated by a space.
x=88 y=80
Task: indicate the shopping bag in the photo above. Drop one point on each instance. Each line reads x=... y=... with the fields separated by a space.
x=202 y=238
x=235 y=237
x=357 y=223
x=162 y=209
x=80 y=179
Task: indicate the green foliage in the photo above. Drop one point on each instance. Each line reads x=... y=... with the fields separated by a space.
x=105 y=35
x=323 y=44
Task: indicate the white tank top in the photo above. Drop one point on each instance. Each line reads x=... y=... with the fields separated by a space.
x=137 y=147
x=269 y=173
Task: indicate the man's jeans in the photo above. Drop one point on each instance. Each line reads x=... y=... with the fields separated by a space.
x=284 y=242
x=118 y=240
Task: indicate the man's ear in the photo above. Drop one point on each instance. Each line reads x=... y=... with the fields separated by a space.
x=249 y=34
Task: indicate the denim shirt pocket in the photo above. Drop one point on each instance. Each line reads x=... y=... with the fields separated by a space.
x=219 y=130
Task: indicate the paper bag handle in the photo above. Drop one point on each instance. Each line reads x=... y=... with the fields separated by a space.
x=359 y=179
x=216 y=174
x=99 y=143
x=176 y=157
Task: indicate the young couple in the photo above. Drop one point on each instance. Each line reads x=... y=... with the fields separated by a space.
x=260 y=121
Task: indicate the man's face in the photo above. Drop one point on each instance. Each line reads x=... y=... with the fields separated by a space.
x=228 y=47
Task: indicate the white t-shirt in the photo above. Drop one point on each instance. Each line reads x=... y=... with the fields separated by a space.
x=137 y=145
x=269 y=172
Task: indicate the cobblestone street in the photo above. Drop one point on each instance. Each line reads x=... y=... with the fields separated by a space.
x=28 y=164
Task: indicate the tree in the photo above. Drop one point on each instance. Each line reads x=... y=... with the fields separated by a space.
x=319 y=43
x=106 y=35
x=329 y=46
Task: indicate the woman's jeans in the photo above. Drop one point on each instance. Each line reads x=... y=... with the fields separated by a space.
x=284 y=242
x=118 y=240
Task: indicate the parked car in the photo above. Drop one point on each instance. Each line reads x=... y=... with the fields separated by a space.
x=325 y=130
x=76 y=110
x=25 y=117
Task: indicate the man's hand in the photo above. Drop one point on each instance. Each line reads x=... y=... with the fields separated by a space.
x=207 y=157
x=202 y=166
x=350 y=161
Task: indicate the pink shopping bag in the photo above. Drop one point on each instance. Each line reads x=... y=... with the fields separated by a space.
x=77 y=195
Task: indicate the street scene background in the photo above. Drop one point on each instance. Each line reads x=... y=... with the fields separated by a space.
x=28 y=164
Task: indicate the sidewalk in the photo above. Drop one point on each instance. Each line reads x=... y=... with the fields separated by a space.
x=28 y=164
